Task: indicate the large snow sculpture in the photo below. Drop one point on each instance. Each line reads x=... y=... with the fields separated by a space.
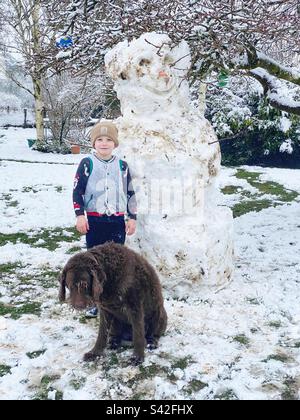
x=181 y=230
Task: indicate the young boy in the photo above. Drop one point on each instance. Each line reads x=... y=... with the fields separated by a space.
x=103 y=193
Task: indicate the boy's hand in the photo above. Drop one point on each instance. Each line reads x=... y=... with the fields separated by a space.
x=82 y=224
x=130 y=227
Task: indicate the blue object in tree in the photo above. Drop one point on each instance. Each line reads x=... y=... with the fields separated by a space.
x=64 y=42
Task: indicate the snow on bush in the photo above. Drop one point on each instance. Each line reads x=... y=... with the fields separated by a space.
x=286 y=147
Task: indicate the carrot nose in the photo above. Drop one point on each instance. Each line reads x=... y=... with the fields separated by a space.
x=162 y=73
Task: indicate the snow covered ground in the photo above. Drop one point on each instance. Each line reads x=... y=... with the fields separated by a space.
x=16 y=117
x=241 y=342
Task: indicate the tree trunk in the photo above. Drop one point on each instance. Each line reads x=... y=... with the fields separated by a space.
x=37 y=74
x=202 y=98
x=39 y=106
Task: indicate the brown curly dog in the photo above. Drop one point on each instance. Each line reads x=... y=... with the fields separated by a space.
x=127 y=291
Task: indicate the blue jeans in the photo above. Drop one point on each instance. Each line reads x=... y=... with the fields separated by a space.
x=105 y=228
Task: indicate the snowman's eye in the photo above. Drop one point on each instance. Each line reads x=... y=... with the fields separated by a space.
x=168 y=59
x=144 y=62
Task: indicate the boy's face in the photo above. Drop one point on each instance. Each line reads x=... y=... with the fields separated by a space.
x=104 y=146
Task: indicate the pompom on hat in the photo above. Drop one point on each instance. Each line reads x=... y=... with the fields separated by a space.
x=104 y=128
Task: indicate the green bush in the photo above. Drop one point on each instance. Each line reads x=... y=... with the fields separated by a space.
x=52 y=146
x=251 y=132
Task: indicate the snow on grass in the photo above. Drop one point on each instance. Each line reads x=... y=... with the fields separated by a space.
x=15 y=117
x=241 y=342
x=290 y=178
x=247 y=189
x=14 y=146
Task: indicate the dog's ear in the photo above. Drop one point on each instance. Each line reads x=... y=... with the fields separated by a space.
x=99 y=279
x=62 y=287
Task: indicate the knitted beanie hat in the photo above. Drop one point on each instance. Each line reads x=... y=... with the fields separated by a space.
x=104 y=128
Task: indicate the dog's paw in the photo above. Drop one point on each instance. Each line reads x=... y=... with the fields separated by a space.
x=90 y=356
x=136 y=360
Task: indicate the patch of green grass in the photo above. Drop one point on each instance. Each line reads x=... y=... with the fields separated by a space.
x=148 y=372
x=256 y=202
x=195 y=385
x=74 y=249
x=275 y=324
x=226 y=395
x=17 y=311
x=278 y=357
x=267 y=187
x=82 y=319
x=46 y=278
x=4 y=370
x=77 y=383
x=253 y=301
x=46 y=387
x=245 y=207
x=242 y=339
x=231 y=189
x=273 y=188
x=48 y=283
x=291 y=389
x=6 y=197
x=35 y=354
x=42 y=395
x=29 y=189
x=151 y=371
x=182 y=363
x=59 y=188
x=110 y=361
x=13 y=203
x=47 y=271
x=113 y=359
x=248 y=176
x=49 y=379
x=249 y=194
x=28 y=280
x=9 y=268
x=51 y=237
x=14 y=238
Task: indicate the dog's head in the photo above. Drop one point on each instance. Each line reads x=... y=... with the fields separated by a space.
x=84 y=278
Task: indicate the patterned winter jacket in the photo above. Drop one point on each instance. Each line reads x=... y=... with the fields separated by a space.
x=103 y=187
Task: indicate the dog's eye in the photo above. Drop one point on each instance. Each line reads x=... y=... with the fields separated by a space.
x=123 y=76
x=87 y=289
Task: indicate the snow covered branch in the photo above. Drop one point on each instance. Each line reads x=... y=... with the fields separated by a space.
x=277 y=94
x=274 y=68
